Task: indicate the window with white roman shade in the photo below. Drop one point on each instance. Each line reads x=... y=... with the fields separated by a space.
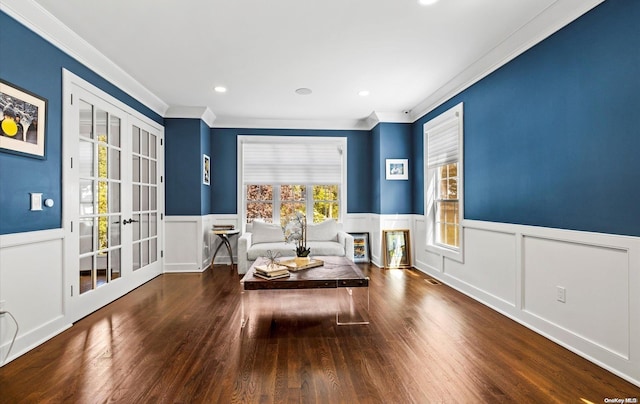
x=289 y=160
x=278 y=175
x=444 y=210
x=443 y=143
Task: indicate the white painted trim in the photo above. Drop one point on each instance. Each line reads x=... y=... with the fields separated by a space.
x=203 y=113
x=26 y=342
x=558 y=15
x=456 y=112
x=365 y=124
x=37 y=19
x=69 y=79
x=194 y=239
x=624 y=364
x=78 y=305
x=261 y=123
x=43 y=23
x=32 y=237
x=310 y=140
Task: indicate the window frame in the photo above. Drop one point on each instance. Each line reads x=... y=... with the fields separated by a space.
x=277 y=202
x=431 y=184
x=308 y=141
x=438 y=199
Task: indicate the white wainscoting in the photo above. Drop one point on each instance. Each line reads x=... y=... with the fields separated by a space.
x=190 y=244
x=517 y=271
x=183 y=244
x=31 y=285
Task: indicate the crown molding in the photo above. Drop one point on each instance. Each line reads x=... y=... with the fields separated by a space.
x=555 y=17
x=37 y=19
x=311 y=124
x=203 y=113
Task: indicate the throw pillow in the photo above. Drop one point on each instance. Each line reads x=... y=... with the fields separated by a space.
x=266 y=233
x=325 y=231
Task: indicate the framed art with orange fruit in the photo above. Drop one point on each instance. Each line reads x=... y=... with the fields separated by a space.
x=22 y=121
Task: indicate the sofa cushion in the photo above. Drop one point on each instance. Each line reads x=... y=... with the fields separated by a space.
x=318 y=248
x=260 y=250
x=326 y=248
x=266 y=233
x=324 y=231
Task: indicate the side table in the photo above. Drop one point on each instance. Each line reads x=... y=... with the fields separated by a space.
x=224 y=237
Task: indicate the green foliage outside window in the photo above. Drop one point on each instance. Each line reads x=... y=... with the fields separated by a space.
x=325 y=203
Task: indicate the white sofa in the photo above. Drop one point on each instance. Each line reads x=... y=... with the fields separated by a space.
x=326 y=238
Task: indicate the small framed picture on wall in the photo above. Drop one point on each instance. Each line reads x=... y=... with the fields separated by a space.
x=397 y=169
x=206 y=170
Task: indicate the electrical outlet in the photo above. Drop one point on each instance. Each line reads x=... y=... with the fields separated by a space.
x=561 y=294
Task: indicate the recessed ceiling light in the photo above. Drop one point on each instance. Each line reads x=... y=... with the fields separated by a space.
x=427 y=2
x=363 y=93
x=303 y=91
x=220 y=89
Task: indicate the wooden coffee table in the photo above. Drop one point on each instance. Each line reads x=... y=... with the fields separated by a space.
x=352 y=287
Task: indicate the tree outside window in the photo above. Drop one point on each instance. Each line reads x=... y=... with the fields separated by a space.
x=260 y=203
x=447 y=203
x=322 y=204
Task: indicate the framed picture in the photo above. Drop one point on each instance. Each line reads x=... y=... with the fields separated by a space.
x=396 y=248
x=397 y=169
x=206 y=170
x=361 y=247
x=22 y=121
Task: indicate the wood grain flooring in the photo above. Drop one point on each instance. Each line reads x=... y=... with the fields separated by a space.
x=177 y=339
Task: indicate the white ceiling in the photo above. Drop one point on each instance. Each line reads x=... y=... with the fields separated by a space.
x=409 y=57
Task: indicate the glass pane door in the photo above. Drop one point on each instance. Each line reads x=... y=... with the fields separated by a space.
x=145 y=197
x=100 y=199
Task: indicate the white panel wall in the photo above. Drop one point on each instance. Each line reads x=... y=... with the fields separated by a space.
x=31 y=285
x=190 y=244
x=513 y=269
x=517 y=271
x=596 y=283
x=183 y=244
x=495 y=253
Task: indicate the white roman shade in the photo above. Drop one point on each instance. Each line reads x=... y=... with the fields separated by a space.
x=292 y=160
x=442 y=143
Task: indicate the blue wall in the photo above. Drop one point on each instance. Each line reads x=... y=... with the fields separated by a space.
x=36 y=65
x=552 y=138
x=377 y=173
x=186 y=141
x=205 y=148
x=394 y=196
x=224 y=162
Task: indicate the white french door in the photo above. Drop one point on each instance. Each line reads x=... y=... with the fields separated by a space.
x=113 y=198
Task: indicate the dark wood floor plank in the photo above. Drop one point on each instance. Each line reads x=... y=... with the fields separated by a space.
x=177 y=339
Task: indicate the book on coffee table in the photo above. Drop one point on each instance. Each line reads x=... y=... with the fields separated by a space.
x=269 y=277
x=298 y=265
x=271 y=271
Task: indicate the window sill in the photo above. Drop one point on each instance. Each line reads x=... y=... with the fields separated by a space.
x=453 y=254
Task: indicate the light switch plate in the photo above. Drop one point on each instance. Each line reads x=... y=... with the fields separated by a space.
x=561 y=294
x=36 y=201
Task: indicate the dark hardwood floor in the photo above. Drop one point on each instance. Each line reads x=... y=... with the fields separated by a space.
x=177 y=339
